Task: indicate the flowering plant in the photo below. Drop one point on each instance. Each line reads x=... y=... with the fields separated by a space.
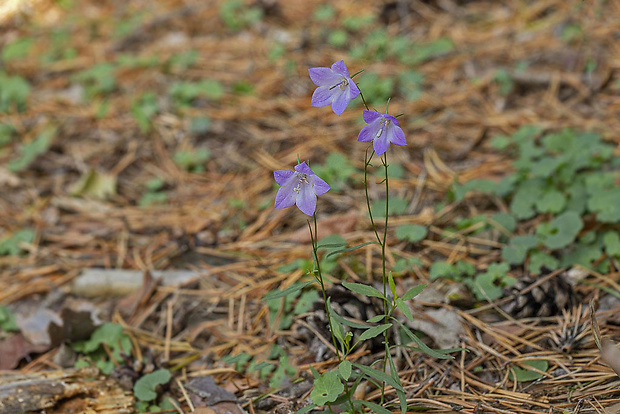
x=301 y=187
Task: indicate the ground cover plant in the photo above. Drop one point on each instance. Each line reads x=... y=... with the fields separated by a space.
x=445 y=237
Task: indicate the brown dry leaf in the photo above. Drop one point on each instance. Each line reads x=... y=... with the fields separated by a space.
x=610 y=354
x=13 y=349
x=128 y=305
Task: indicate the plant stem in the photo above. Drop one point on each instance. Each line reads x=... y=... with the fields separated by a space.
x=315 y=247
x=385 y=281
x=372 y=221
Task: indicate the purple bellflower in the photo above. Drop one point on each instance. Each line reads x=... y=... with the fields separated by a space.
x=335 y=87
x=382 y=130
x=300 y=187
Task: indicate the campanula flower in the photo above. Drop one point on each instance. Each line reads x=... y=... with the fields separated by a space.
x=382 y=130
x=300 y=187
x=335 y=87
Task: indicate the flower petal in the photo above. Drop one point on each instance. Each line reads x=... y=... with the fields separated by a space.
x=381 y=144
x=323 y=96
x=396 y=135
x=341 y=100
x=354 y=89
x=306 y=199
x=368 y=133
x=391 y=118
x=303 y=168
x=281 y=176
x=370 y=116
x=320 y=186
x=324 y=77
x=341 y=68
x=285 y=197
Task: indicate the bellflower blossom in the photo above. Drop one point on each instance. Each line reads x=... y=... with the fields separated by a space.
x=335 y=87
x=382 y=130
x=300 y=187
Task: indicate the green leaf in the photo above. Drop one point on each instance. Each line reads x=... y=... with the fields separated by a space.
x=525 y=198
x=349 y=249
x=31 y=151
x=411 y=232
x=144 y=389
x=392 y=284
x=404 y=308
x=539 y=259
x=398 y=206
x=14 y=91
x=611 y=241
x=552 y=201
x=305 y=302
x=363 y=289
x=345 y=369
x=421 y=345
x=606 y=205
x=344 y=321
x=7 y=320
x=489 y=285
x=442 y=269
x=527 y=374
x=376 y=408
x=306 y=409
x=12 y=245
x=378 y=375
x=505 y=220
x=373 y=332
x=561 y=231
x=414 y=291
x=517 y=249
x=291 y=289
x=326 y=388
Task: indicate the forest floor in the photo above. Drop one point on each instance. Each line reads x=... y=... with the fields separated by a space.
x=138 y=237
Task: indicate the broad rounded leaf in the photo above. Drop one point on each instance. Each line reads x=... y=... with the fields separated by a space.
x=327 y=388
x=144 y=389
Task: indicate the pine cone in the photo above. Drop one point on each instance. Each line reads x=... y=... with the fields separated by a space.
x=535 y=299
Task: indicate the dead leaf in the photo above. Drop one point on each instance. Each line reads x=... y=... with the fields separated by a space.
x=95 y=185
x=15 y=348
x=610 y=354
x=445 y=333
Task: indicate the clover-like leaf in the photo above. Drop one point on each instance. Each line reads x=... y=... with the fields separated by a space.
x=552 y=201
x=327 y=388
x=517 y=248
x=611 y=241
x=539 y=259
x=144 y=389
x=606 y=205
x=411 y=232
x=561 y=231
x=527 y=374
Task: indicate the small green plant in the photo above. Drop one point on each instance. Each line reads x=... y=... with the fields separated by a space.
x=59 y=48
x=338 y=170
x=98 y=80
x=276 y=367
x=14 y=91
x=236 y=15
x=192 y=161
x=144 y=109
x=185 y=93
x=18 y=49
x=109 y=334
x=566 y=178
x=146 y=391
x=182 y=61
x=32 y=150
x=154 y=193
x=7 y=320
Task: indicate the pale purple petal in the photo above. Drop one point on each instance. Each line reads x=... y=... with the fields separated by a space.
x=381 y=144
x=368 y=133
x=282 y=176
x=322 y=96
x=391 y=118
x=306 y=199
x=324 y=77
x=320 y=186
x=341 y=100
x=303 y=168
x=341 y=68
x=285 y=197
x=354 y=89
x=396 y=135
x=370 y=116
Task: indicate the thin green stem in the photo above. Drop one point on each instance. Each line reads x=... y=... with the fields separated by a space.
x=372 y=221
x=363 y=100
x=385 y=281
x=315 y=248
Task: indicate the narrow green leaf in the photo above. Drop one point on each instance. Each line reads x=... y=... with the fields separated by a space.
x=287 y=291
x=404 y=308
x=377 y=318
x=344 y=321
x=376 y=408
x=414 y=291
x=348 y=249
x=392 y=284
x=363 y=289
x=421 y=345
x=378 y=375
x=374 y=331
